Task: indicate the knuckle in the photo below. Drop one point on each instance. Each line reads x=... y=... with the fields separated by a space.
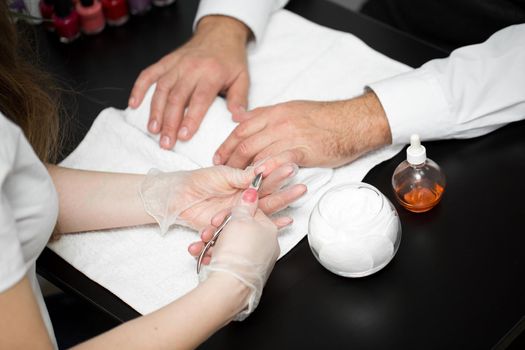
x=163 y=86
x=174 y=98
x=240 y=131
x=244 y=149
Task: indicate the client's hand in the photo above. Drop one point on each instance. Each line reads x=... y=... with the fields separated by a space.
x=247 y=249
x=307 y=133
x=192 y=198
x=213 y=61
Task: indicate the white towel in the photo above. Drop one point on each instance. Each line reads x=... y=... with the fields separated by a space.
x=296 y=60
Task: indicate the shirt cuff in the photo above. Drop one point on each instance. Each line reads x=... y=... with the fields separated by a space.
x=254 y=15
x=414 y=104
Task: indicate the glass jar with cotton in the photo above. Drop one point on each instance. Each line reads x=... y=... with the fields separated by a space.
x=354 y=230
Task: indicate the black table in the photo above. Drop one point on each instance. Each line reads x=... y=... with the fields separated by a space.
x=457 y=280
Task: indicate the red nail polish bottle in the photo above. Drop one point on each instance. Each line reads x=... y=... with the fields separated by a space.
x=66 y=21
x=116 y=11
x=91 y=16
x=46 y=9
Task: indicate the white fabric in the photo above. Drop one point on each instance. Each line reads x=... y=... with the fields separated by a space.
x=254 y=15
x=296 y=60
x=28 y=212
x=478 y=89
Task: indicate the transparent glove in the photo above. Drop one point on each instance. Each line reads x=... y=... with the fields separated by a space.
x=246 y=249
x=192 y=198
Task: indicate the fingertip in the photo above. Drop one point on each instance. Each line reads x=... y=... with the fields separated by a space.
x=250 y=195
x=166 y=142
x=154 y=126
x=283 y=222
x=132 y=102
x=195 y=248
x=217 y=159
x=302 y=189
x=206 y=260
x=184 y=133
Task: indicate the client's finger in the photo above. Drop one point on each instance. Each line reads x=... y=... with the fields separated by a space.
x=282 y=199
x=196 y=248
x=277 y=179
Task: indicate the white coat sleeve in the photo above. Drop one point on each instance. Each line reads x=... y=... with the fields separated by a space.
x=12 y=266
x=474 y=91
x=255 y=14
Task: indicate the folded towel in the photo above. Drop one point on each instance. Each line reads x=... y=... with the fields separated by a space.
x=296 y=60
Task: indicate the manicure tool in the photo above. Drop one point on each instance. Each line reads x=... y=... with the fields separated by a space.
x=256 y=184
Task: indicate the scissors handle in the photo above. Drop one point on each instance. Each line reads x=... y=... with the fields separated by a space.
x=212 y=241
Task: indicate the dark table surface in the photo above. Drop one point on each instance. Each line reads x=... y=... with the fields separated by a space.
x=458 y=278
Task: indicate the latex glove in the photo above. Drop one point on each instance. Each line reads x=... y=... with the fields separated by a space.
x=192 y=198
x=213 y=61
x=307 y=133
x=246 y=249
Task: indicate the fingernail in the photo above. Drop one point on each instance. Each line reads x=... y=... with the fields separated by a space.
x=286 y=221
x=250 y=195
x=293 y=169
x=260 y=169
x=165 y=141
x=241 y=109
x=153 y=126
x=131 y=102
x=216 y=159
x=183 y=132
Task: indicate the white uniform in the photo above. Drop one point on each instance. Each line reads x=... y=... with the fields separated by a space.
x=28 y=212
x=476 y=90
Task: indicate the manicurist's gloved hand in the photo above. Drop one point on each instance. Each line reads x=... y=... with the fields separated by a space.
x=193 y=198
x=212 y=62
x=247 y=249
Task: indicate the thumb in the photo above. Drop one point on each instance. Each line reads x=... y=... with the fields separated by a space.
x=247 y=204
x=237 y=95
x=239 y=178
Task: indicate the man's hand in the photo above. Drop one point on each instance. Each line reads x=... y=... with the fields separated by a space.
x=312 y=134
x=213 y=61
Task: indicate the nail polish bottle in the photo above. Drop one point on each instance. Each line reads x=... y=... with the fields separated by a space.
x=66 y=21
x=47 y=7
x=162 y=3
x=91 y=16
x=418 y=182
x=139 y=7
x=115 y=11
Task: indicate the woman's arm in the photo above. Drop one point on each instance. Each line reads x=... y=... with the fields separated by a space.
x=92 y=200
x=183 y=324
x=21 y=324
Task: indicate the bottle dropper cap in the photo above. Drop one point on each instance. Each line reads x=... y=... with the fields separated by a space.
x=416 y=153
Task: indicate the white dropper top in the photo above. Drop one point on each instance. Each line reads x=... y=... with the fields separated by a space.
x=416 y=153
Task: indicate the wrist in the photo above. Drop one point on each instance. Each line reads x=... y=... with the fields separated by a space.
x=380 y=127
x=232 y=295
x=220 y=27
x=366 y=123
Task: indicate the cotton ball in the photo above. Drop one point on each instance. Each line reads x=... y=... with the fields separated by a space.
x=346 y=257
x=379 y=247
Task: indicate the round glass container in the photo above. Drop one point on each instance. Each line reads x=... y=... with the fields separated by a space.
x=354 y=230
